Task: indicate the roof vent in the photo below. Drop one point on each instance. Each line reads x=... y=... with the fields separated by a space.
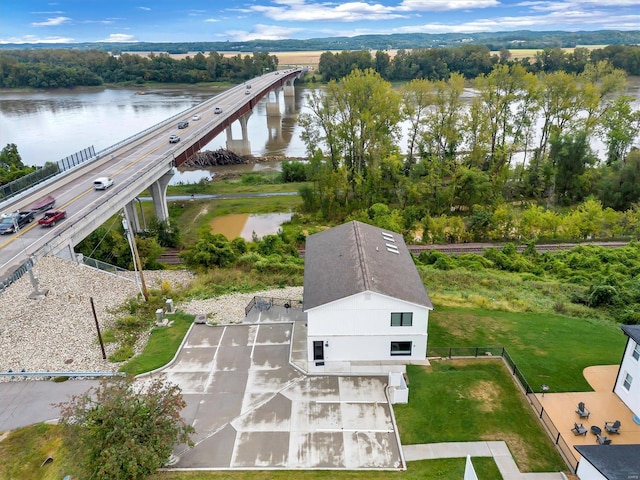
x=388 y=237
x=392 y=250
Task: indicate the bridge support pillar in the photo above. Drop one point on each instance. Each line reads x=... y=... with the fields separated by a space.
x=158 y=191
x=289 y=90
x=273 y=106
x=132 y=215
x=243 y=146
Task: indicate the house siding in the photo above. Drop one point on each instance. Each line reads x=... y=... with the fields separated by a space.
x=631 y=366
x=358 y=328
x=586 y=471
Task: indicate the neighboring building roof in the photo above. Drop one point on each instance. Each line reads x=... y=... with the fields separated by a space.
x=614 y=462
x=355 y=257
x=632 y=331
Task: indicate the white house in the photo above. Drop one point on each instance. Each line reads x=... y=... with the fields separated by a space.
x=613 y=462
x=367 y=308
x=627 y=385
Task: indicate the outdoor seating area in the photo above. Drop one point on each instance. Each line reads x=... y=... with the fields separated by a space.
x=579 y=429
x=612 y=427
x=603 y=440
x=582 y=411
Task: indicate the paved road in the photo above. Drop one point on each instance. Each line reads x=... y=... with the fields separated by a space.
x=27 y=402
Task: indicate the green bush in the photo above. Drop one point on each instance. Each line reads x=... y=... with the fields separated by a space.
x=124 y=352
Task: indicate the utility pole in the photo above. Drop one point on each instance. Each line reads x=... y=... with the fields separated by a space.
x=137 y=266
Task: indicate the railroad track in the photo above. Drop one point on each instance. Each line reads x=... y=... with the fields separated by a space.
x=479 y=248
x=170 y=255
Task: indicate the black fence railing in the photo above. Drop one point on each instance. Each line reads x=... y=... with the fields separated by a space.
x=564 y=449
x=49 y=170
x=263 y=303
x=15 y=275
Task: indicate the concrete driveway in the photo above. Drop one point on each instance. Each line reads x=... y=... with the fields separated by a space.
x=252 y=409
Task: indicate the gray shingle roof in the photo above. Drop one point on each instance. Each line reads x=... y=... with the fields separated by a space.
x=632 y=331
x=614 y=462
x=354 y=257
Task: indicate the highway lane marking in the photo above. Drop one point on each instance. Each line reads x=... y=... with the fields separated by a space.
x=33 y=225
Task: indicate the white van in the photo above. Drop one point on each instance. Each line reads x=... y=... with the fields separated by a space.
x=102 y=183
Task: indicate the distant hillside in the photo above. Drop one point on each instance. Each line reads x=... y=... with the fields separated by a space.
x=519 y=39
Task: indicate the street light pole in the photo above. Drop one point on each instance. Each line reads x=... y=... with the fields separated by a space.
x=137 y=266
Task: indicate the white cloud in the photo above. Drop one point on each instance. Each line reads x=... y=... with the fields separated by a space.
x=262 y=32
x=35 y=39
x=567 y=20
x=300 y=11
x=51 y=22
x=442 y=5
x=146 y=9
x=119 y=37
x=212 y=20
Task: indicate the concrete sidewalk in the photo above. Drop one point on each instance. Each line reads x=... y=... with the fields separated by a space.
x=498 y=450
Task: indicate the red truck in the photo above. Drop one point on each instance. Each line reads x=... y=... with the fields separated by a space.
x=51 y=217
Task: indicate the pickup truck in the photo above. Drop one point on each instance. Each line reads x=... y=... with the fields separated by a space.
x=12 y=222
x=51 y=217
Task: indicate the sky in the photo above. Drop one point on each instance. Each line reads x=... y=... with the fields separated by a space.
x=72 y=21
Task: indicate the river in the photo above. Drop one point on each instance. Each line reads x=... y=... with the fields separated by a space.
x=50 y=125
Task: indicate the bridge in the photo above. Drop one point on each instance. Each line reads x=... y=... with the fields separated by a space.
x=143 y=161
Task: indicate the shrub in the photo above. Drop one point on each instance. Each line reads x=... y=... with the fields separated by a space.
x=125 y=352
x=602 y=295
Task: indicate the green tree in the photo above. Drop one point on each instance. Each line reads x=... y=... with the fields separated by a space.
x=619 y=128
x=417 y=95
x=571 y=155
x=121 y=430
x=356 y=123
x=620 y=187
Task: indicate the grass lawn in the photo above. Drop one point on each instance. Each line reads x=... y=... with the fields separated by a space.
x=161 y=346
x=471 y=400
x=548 y=348
x=24 y=450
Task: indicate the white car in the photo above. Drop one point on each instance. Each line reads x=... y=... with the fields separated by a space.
x=195 y=118
x=217 y=110
x=102 y=183
x=174 y=139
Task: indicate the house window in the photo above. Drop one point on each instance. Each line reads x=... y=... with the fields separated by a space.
x=636 y=352
x=402 y=319
x=627 y=382
x=400 y=348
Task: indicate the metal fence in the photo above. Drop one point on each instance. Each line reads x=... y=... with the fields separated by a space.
x=16 y=275
x=49 y=170
x=261 y=302
x=107 y=267
x=564 y=449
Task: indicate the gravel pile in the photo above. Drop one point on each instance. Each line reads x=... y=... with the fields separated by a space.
x=57 y=333
x=230 y=308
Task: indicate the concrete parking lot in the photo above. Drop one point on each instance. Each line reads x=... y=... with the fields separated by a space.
x=252 y=409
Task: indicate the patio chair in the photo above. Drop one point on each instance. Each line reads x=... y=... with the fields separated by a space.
x=612 y=427
x=582 y=411
x=579 y=429
x=603 y=440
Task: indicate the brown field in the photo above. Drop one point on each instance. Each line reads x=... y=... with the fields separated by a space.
x=312 y=58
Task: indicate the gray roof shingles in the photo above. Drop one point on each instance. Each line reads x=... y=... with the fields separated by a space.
x=353 y=258
x=632 y=331
x=614 y=462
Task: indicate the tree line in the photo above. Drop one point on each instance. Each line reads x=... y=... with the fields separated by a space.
x=472 y=60
x=520 y=137
x=55 y=68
